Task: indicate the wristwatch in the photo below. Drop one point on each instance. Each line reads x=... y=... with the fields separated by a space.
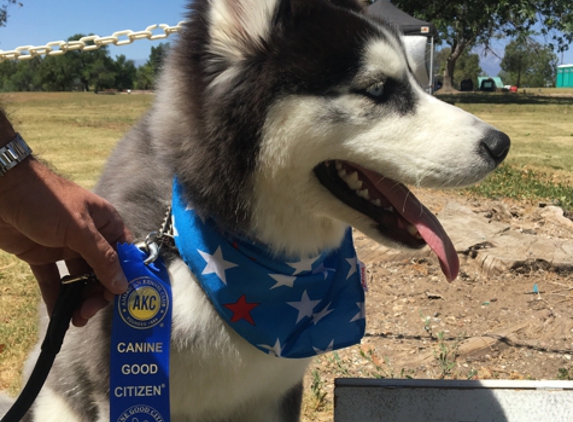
x=13 y=153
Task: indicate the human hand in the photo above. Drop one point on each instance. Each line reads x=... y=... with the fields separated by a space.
x=45 y=218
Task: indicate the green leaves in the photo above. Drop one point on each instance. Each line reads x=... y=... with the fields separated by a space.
x=4 y=10
x=473 y=23
x=147 y=74
x=528 y=63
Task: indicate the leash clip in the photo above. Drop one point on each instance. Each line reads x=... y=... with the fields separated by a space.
x=157 y=240
x=151 y=247
x=82 y=278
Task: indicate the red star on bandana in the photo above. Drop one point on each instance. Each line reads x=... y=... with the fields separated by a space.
x=242 y=310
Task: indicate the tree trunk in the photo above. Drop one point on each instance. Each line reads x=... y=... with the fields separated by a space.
x=448 y=83
x=518 y=82
x=457 y=50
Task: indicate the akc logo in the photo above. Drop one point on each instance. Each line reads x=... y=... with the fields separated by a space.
x=140 y=411
x=145 y=303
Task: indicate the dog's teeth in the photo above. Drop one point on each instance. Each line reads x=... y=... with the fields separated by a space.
x=353 y=181
x=412 y=230
x=363 y=194
x=377 y=202
x=357 y=185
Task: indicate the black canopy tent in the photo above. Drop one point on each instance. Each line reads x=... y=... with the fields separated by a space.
x=414 y=28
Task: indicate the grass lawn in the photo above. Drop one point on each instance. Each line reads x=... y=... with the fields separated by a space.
x=77 y=131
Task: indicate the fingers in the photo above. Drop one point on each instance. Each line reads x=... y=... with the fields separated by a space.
x=48 y=277
x=90 y=306
x=93 y=240
x=105 y=263
x=94 y=296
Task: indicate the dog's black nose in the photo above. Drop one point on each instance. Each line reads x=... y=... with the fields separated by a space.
x=496 y=145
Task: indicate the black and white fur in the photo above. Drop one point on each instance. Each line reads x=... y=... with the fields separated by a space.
x=255 y=95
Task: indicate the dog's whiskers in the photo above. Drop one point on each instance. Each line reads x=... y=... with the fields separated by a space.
x=379 y=181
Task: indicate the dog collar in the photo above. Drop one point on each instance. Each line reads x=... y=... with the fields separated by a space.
x=287 y=309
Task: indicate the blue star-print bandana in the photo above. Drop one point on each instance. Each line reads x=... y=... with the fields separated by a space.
x=288 y=309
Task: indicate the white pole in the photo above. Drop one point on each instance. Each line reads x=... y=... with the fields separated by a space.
x=431 y=87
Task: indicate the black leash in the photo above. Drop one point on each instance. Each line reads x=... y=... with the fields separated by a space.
x=68 y=299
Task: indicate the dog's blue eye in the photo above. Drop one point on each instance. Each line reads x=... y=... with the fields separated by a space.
x=376 y=90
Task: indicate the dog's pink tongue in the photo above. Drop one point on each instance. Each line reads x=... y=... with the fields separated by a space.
x=437 y=239
x=405 y=203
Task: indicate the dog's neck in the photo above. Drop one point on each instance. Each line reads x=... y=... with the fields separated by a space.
x=287 y=223
x=298 y=235
x=290 y=233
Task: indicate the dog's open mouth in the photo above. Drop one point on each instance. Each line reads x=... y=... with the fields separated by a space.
x=399 y=215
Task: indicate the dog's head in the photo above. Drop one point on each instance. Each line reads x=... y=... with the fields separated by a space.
x=301 y=117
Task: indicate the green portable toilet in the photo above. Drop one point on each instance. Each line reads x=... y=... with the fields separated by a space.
x=565 y=76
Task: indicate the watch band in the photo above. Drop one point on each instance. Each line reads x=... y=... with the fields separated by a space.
x=13 y=153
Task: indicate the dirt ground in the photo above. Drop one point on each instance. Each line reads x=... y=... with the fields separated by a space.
x=481 y=326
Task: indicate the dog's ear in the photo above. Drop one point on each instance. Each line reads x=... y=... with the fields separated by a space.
x=239 y=28
x=289 y=8
x=355 y=5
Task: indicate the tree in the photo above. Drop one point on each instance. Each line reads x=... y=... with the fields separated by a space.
x=157 y=57
x=59 y=73
x=4 y=10
x=26 y=76
x=467 y=66
x=528 y=63
x=147 y=74
x=125 y=72
x=99 y=73
x=144 y=78
x=78 y=70
x=462 y=24
x=7 y=69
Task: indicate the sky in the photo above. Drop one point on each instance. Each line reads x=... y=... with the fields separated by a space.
x=38 y=22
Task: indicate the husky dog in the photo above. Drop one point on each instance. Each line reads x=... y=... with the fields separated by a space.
x=285 y=122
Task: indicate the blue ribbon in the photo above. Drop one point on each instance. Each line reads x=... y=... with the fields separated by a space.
x=141 y=330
